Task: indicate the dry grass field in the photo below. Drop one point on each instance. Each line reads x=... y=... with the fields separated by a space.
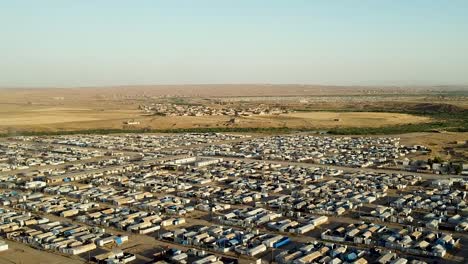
x=47 y=116
x=443 y=145
x=61 y=109
x=350 y=119
x=54 y=118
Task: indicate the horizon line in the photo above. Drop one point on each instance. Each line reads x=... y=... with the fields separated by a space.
x=242 y=84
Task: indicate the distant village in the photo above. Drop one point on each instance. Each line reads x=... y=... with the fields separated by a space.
x=202 y=110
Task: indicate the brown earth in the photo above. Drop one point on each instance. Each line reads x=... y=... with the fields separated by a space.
x=23 y=254
x=53 y=109
x=443 y=145
x=52 y=119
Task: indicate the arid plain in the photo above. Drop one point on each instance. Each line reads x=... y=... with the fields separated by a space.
x=109 y=107
x=369 y=110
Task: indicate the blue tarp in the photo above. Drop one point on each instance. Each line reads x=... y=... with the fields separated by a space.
x=118 y=240
x=222 y=241
x=351 y=256
x=283 y=241
x=69 y=232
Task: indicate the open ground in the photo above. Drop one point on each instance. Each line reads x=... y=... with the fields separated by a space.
x=407 y=111
x=53 y=118
x=109 y=107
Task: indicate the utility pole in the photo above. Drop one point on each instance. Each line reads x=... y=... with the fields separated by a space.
x=272 y=255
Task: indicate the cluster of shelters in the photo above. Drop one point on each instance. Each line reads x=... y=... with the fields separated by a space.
x=440 y=167
x=196 y=256
x=224 y=195
x=226 y=239
x=254 y=217
x=17 y=155
x=130 y=220
x=155 y=181
x=192 y=161
x=318 y=252
x=271 y=171
x=108 y=167
x=440 y=207
x=192 y=255
x=332 y=253
x=388 y=214
x=460 y=183
x=138 y=142
x=58 y=205
x=336 y=196
x=413 y=240
x=124 y=218
x=183 y=198
x=64 y=237
x=114 y=257
x=71 y=172
x=343 y=151
x=138 y=199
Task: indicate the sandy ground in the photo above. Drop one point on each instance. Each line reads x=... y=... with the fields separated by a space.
x=109 y=108
x=344 y=119
x=43 y=118
x=53 y=116
x=19 y=253
x=443 y=145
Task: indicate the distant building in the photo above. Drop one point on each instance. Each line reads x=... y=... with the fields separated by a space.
x=131 y=122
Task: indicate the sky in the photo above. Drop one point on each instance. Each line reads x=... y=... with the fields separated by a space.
x=112 y=42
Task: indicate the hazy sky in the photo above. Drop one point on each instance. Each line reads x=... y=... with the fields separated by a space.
x=97 y=42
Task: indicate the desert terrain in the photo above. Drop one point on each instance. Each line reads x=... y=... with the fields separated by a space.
x=23 y=254
x=52 y=119
x=415 y=113
x=311 y=107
